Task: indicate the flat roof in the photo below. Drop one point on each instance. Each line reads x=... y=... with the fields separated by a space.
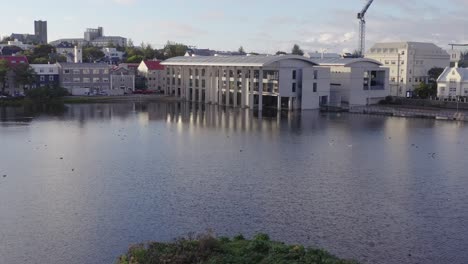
x=343 y=61
x=84 y=65
x=249 y=61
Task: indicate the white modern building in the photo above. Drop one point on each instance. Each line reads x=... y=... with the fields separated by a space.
x=357 y=81
x=289 y=82
x=409 y=63
x=153 y=71
x=453 y=82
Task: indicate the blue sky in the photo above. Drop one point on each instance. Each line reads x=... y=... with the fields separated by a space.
x=258 y=25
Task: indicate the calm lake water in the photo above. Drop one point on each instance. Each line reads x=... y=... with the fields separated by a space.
x=83 y=185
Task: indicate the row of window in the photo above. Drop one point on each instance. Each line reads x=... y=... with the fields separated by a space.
x=42 y=70
x=86 y=80
x=85 y=71
x=42 y=78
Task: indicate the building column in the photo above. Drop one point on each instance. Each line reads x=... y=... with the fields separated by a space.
x=290 y=104
x=220 y=86
x=244 y=89
x=236 y=87
x=228 y=86
x=251 y=88
x=278 y=106
x=260 y=90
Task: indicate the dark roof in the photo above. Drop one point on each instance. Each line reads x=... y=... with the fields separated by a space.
x=154 y=65
x=84 y=65
x=65 y=44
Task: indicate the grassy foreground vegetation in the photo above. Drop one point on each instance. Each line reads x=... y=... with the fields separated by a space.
x=206 y=249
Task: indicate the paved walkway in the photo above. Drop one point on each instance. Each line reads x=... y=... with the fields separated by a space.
x=408 y=111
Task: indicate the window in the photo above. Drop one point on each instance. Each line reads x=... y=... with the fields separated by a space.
x=196 y=82
x=41 y=70
x=51 y=78
x=106 y=80
x=96 y=71
x=51 y=70
x=196 y=72
x=294 y=87
x=203 y=72
x=86 y=71
x=190 y=72
x=76 y=71
x=95 y=80
x=294 y=73
x=402 y=62
x=42 y=78
x=315 y=75
x=191 y=82
x=315 y=88
x=86 y=80
x=203 y=83
x=77 y=80
x=106 y=71
x=66 y=71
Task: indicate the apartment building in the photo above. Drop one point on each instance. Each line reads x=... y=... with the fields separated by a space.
x=46 y=75
x=83 y=78
x=153 y=71
x=409 y=63
x=453 y=82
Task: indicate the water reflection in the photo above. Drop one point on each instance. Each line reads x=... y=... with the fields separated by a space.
x=364 y=187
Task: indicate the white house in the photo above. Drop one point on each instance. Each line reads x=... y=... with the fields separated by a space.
x=453 y=82
x=153 y=71
x=409 y=63
x=356 y=81
x=73 y=53
x=289 y=82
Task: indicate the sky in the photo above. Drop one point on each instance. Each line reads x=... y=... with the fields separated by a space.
x=264 y=26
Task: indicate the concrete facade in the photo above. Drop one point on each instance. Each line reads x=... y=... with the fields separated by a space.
x=94 y=77
x=122 y=79
x=355 y=82
x=409 y=63
x=283 y=82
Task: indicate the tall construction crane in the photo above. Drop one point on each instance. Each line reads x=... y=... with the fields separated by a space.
x=362 y=28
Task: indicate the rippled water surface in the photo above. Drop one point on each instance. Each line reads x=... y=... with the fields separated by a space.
x=82 y=185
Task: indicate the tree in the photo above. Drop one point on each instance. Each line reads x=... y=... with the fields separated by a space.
x=130 y=43
x=241 y=50
x=148 y=52
x=110 y=44
x=297 y=50
x=40 y=61
x=24 y=74
x=172 y=49
x=424 y=90
x=281 y=53
x=92 y=54
x=4 y=70
x=135 y=59
x=434 y=74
